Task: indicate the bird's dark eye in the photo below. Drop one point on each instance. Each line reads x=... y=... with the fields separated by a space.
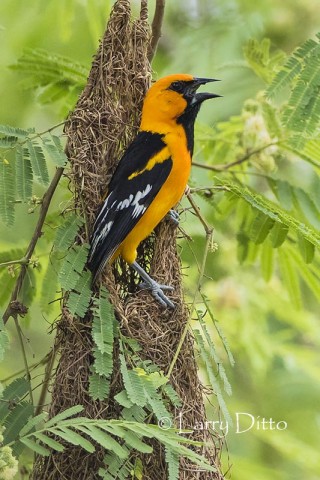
x=177 y=86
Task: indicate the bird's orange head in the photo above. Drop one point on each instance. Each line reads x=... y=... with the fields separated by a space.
x=170 y=98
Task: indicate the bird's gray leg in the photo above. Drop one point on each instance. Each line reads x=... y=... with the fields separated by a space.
x=155 y=287
x=173 y=216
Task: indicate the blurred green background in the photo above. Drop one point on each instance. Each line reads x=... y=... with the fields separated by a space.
x=275 y=345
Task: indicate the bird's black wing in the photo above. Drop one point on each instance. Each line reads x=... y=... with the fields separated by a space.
x=132 y=188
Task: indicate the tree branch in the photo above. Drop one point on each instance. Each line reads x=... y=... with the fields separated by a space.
x=156 y=28
x=14 y=307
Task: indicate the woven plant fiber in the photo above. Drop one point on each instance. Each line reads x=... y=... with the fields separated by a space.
x=104 y=121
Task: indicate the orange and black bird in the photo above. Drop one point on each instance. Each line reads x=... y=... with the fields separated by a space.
x=151 y=177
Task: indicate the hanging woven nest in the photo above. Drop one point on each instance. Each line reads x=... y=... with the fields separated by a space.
x=104 y=121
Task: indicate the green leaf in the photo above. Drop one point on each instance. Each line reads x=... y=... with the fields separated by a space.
x=291 y=68
x=16 y=420
x=52 y=92
x=7 y=142
x=41 y=68
x=260 y=228
x=9 y=281
x=105 y=440
x=35 y=447
x=123 y=399
x=172 y=395
x=74 y=438
x=133 y=383
x=134 y=414
x=267 y=260
x=79 y=299
x=103 y=362
x=4 y=341
x=29 y=287
x=32 y=423
x=275 y=212
x=290 y=278
x=38 y=162
x=242 y=247
x=173 y=441
x=258 y=57
x=117 y=469
x=7 y=192
x=69 y=412
x=73 y=266
x=218 y=328
x=24 y=175
x=211 y=376
x=103 y=336
x=278 y=234
x=13 y=254
x=50 y=442
x=172 y=460
x=155 y=400
x=133 y=440
x=12 y=393
x=50 y=284
x=54 y=148
x=137 y=471
x=14 y=131
x=67 y=232
x=308 y=207
x=310 y=152
x=103 y=323
x=213 y=355
x=99 y=387
x=310 y=277
x=284 y=194
x=306 y=248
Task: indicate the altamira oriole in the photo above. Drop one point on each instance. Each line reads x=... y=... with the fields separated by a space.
x=151 y=177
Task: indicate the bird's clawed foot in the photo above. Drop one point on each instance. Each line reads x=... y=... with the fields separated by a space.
x=173 y=216
x=155 y=288
x=157 y=291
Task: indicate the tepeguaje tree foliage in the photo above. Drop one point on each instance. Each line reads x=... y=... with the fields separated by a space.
x=123 y=363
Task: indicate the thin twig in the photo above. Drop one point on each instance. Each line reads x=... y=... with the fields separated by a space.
x=25 y=360
x=187 y=325
x=46 y=381
x=226 y=166
x=212 y=187
x=197 y=211
x=39 y=134
x=156 y=28
x=209 y=233
x=22 y=261
x=33 y=366
x=46 y=200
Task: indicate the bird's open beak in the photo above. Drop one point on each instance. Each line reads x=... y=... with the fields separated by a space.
x=201 y=97
x=202 y=81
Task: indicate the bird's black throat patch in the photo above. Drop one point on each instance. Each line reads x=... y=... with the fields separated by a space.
x=187 y=120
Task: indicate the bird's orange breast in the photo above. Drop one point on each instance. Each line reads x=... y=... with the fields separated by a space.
x=167 y=197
